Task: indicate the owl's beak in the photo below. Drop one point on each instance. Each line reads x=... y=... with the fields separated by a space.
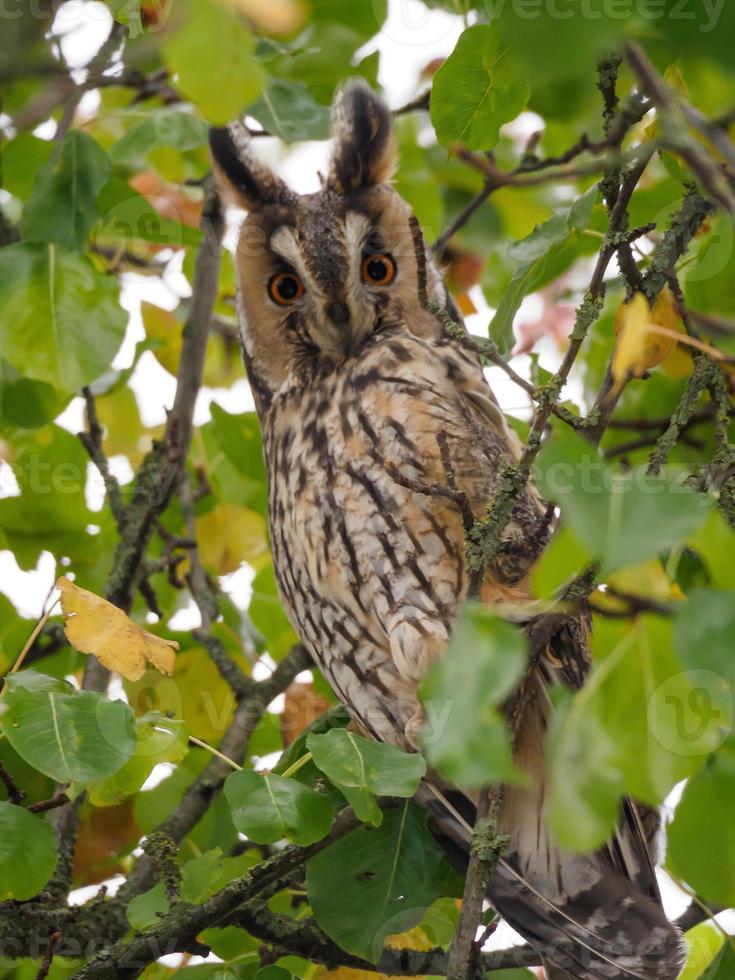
x=339 y=313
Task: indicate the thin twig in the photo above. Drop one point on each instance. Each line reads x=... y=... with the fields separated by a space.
x=60 y=799
x=421 y=102
x=234 y=745
x=93 y=442
x=486 y=850
x=48 y=956
x=31 y=640
x=15 y=794
x=676 y=117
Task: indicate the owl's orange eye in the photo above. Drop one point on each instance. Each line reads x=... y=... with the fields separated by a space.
x=379 y=270
x=285 y=288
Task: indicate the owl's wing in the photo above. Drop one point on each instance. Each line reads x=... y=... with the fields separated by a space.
x=594 y=915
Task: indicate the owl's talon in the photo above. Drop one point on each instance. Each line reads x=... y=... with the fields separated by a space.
x=414 y=727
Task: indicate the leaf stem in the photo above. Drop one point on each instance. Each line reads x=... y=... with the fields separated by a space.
x=295 y=766
x=220 y=755
x=30 y=641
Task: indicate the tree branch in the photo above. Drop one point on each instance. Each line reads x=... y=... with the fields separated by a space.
x=181 y=925
x=487 y=848
x=304 y=938
x=676 y=116
x=234 y=745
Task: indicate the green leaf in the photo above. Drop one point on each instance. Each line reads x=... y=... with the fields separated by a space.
x=558 y=48
x=377 y=881
x=73 y=737
x=220 y=86
x=635 y=728
x=723 y=967
x=63 y=205
x=364 y=18
x=200 y=875
x=129 y=221
x=513 y=975
x=27 y=404
x=416 y=179
x=267 y=615
x=287 y=109
x=27 y=853
x=704 y=628
x=476 y=90
x=564 y=558
x=708 y=277
x=176 y=130
x=465 y=737
x=128 y=12
x=705 y=859
x=542 y=256
x=158 y=739
x=60 y=320
x=50 y=466
x=23 y=158
x=268 y=808
x=144 y=911
x=322 y=56
x=715 y=542
x=620 y=518
x=704 y=943
x=335 y=717
x=362 y=769
x=232 y=454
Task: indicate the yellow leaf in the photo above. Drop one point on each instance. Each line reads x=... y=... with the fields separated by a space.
x=124 y=432
x=162 y=327
x=632 y=321
x=675 y=80
x=649 y=580
x=229 y=535
x=639 y=348
x=679 y=364
x=198 y=696
x=659 y=346
x=465 y=304
x=94 y=625
x=271 y=16
x=415 y=939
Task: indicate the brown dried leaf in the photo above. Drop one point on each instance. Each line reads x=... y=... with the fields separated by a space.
x=302 y=705
x=271 y=16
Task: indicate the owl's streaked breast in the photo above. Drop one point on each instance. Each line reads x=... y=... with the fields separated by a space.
x=364 y=564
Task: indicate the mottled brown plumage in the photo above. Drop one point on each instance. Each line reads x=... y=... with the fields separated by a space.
x=363 y=401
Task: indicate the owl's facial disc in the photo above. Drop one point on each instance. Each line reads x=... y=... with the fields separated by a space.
x=332 y=278
x=320 y=274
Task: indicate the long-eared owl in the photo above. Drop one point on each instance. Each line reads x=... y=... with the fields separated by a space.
x=364 y=402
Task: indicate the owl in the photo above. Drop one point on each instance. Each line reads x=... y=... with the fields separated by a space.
x=366 y=407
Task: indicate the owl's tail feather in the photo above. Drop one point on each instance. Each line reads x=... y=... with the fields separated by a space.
x=605 y=929
x=587 y=918
x=597 y=916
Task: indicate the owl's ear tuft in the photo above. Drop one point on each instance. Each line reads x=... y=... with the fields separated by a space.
x=242 y=179
x=364 y=151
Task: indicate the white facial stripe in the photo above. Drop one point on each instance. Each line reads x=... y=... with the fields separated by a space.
x=284 y=243
x=357 y=228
